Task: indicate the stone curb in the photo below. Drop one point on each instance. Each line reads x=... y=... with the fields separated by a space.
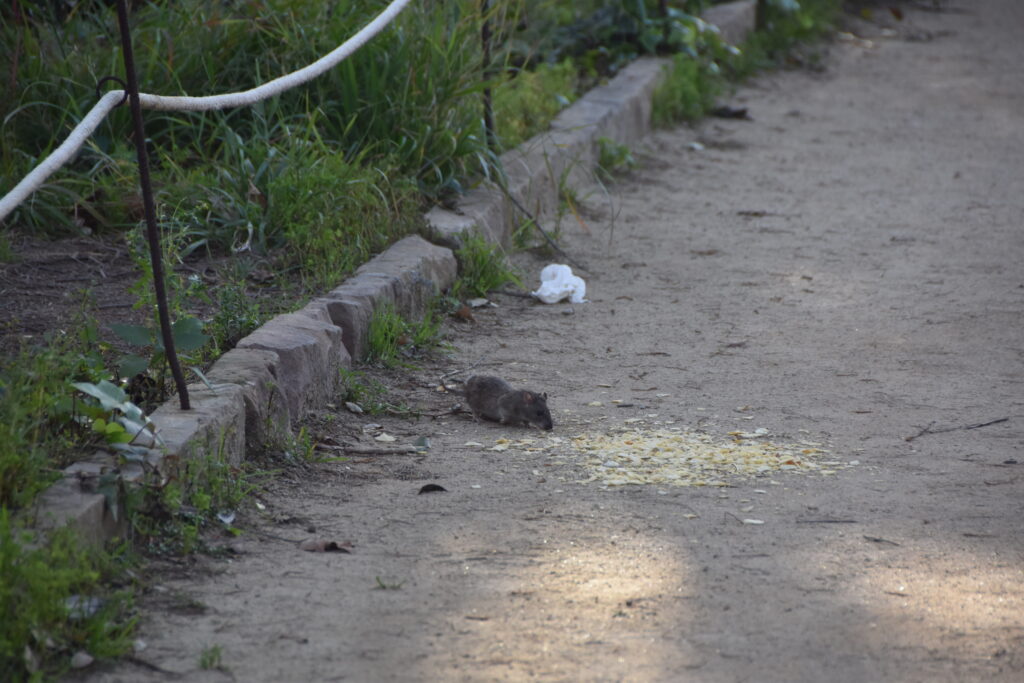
x=292 y=362
x=619 y=110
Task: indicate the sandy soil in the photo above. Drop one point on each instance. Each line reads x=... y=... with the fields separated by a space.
x=844 y=269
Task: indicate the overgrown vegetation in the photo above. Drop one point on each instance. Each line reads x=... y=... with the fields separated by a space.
x=41 y=423
x=59 y=597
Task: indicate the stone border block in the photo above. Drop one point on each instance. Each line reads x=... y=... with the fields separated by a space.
x=408 y=275
x=215 y=425
x=620 y=110
x=65 y=503
x=266 y=408
x=310 y=353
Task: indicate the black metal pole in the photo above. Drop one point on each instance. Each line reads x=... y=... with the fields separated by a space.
x=666 y=32
x=485 y=38
x=152 y=233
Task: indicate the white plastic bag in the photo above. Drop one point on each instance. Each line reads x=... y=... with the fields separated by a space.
x=557 y=282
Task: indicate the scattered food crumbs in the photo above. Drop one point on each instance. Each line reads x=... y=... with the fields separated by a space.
x=384 y=437
x=753 y=521
x=473 y=444
x=475 y=486
x=690 y=515
x=686 y=458
x=595 y=404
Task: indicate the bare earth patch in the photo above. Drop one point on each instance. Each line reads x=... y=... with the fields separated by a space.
x=843 y=270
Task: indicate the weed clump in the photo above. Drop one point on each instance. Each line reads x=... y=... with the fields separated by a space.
x=58 y=597
x=482 y=268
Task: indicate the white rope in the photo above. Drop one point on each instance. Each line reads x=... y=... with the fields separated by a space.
x=60 y=156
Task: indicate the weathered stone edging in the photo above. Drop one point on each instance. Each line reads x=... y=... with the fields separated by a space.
x=291 y=364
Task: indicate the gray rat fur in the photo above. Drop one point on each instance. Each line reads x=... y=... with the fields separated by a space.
x=493 y=398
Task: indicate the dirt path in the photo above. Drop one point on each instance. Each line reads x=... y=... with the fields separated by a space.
x=845 y=270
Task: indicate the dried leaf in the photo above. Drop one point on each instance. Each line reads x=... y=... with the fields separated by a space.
x=465 y=314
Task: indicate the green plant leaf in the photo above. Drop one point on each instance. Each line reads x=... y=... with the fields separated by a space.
x=109 y=395
x=188 y=334
x=132 y=365
x=136 y=335
x=202 y=377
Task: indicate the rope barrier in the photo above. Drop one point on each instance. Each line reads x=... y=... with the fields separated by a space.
x=66 y=151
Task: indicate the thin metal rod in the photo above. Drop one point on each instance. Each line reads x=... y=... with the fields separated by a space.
x=152 y=232
x=666 y=32
x=485 y=39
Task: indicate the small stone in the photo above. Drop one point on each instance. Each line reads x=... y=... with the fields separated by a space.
x=81 y=659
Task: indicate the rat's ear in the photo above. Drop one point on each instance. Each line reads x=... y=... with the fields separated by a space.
x=544 y=396
x=528 y=397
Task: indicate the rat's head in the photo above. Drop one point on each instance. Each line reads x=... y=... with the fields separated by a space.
x=537 y=413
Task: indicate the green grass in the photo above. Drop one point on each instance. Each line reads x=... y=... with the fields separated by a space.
x=170 y=517
x=58 y=596
x=785 y=32
x=368 y=393
x=686 y=93
x=408 y=100
x=391 y=338
x=39 y=429
x=526 y=103
x=482 y=268
x=613 y=158
x=210 y=657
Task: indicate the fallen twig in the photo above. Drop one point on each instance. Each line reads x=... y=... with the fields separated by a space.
x=371 y=450
x=876 y=539
x=544 y=233
x=979 y=425
x=827 y=521
x=139 y=661
x=521 y=295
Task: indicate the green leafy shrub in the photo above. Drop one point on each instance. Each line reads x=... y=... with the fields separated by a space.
x=528 y=102
x=334 y=216
x=58 y=596
x=613 y=158
x=39 y=429
x=686 y=93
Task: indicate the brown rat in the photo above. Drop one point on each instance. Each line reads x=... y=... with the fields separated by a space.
x=493 y=398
